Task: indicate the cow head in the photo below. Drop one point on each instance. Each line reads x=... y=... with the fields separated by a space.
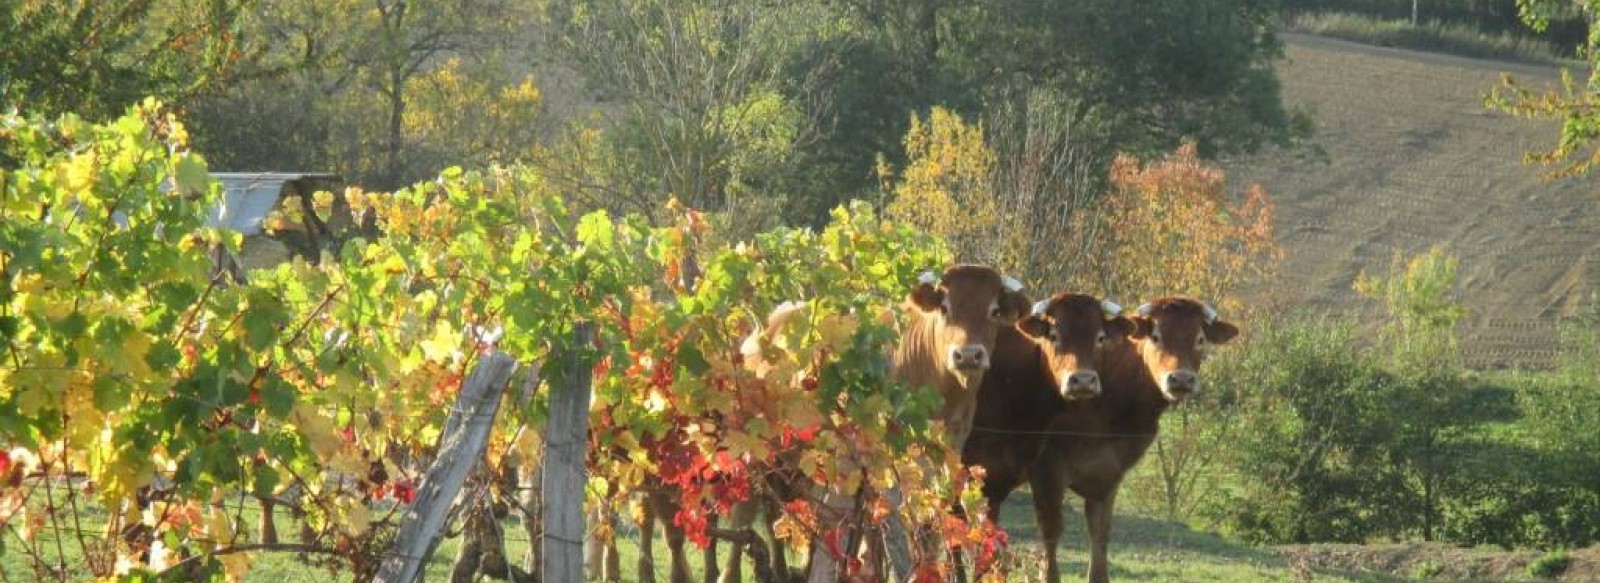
x=972 y=302
x=1069 y=329
x=1172 y=334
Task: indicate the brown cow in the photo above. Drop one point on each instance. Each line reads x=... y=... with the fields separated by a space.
x=1094 y=442
x=949 y=345
x=952 y=344
x=1046 y=361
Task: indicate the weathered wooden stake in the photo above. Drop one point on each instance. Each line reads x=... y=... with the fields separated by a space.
x=566 y=448
x=461 y=446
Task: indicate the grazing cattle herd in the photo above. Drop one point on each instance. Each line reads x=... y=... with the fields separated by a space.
x=1063 y=394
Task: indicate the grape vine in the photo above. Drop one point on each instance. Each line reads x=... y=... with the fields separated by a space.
x=139 y=379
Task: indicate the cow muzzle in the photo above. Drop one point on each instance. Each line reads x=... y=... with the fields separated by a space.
x=1082 y=384
x=1180 y=384
x=969 y=358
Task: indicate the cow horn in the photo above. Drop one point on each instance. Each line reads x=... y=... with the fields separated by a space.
x=1211 y=313
x=1040 y=306
x=1111 y=308
x=928 y=278
x=1143 y=310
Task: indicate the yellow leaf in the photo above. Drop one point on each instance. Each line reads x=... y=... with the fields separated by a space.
x=218 y=525
x=234 y=566
x=443 y=344
x=527 y=445
x=740 y=443
x=130 y=359
x=317 y=430
x=79 y=173
x=836 y=331
x=356 y=519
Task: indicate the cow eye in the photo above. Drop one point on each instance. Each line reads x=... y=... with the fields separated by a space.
x=1101 y=338
x=1156 y=338
x=994 y=312
x=1201 y=341
x=944 y=308
x=1053 y=335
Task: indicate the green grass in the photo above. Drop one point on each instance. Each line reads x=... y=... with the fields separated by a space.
x=1142 y=549
x=1454 y=39
x=1150 y=549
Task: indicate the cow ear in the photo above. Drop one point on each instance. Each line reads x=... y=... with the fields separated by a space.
x=1035 y=326
x=1220 y=332
x=1014 y=305
x=1142 y=327
x=926 y=297
x=1119 y=327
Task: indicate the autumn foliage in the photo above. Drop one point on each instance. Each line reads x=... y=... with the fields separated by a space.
x=1171 y=226
x=145 y=394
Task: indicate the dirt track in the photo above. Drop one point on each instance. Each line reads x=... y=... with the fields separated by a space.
x=1413 y=159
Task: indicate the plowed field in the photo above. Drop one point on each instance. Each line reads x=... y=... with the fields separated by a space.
x=1413 y=159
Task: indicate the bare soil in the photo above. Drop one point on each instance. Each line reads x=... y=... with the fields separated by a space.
x=1438 y=562
x=1414 y=159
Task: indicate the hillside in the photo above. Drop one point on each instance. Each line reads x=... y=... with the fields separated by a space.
x=1413 y=159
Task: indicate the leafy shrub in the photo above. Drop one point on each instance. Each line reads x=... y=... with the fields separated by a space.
x=1550 y=565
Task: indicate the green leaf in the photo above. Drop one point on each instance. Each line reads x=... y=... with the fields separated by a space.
x=595 y=229
x=265 y=480
x=189 y=173
x=692 y=359
x=110 y=394
x=278 y=397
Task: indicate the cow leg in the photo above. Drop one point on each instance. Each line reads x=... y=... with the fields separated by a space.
x=780 y=560
x=611 y=565
x=666 y=508
x=1098 y=513
x=607 y=561
x=708 y=555
x=269 y=523
x=647 y=539
x=877 y=559
x=1047 y=494
x=995 y=490
x=958 y=562
x=594 y=549
x=743 y=517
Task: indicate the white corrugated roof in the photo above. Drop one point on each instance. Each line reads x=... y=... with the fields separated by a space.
x=249 y=196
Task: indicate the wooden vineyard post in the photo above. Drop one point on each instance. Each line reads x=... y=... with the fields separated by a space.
x=566 y=448
x=461 y=446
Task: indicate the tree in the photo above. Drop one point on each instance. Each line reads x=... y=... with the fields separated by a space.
x=1158 y=71
x=1424 y=444
x=383 y=93
x=946 y=187
x=704 y=109
x=95 y=58
x=1171 y=226
x=1574 y=103
x=1000 y=191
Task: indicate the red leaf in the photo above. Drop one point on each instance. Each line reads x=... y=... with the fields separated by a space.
x=405 y=491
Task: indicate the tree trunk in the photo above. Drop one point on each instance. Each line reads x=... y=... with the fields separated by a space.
x=397 y=109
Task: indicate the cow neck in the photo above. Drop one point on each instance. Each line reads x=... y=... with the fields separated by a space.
x=1132 y=399
x=1022 y=378
x=917 y=356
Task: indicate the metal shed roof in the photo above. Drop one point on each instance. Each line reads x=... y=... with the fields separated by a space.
x=249 y=196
